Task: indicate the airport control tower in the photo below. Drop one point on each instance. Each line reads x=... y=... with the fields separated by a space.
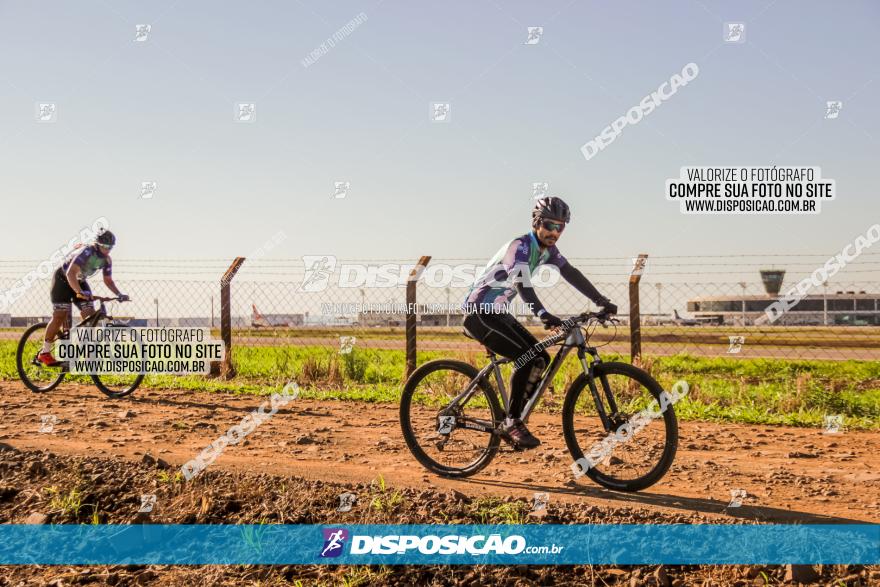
x=772 y=279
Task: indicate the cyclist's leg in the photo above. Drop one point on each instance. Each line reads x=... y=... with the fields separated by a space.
x=505 y=336
x=86 y=309
x=59 y=317
x=495 y=336
x=524 y=379
x=61 y=295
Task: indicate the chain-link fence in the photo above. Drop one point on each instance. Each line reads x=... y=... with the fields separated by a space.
x=339 y=305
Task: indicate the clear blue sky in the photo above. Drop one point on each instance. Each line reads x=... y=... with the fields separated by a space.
x=162 y=110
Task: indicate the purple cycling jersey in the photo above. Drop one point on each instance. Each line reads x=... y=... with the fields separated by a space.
x=516 y=260
x=90 y=260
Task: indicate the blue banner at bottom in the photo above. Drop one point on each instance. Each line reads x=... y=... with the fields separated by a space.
x=439 y=544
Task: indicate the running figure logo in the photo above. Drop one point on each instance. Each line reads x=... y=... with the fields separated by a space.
x=833 y=423
x=447 y=423
x=47 y=423
x=346 y=344
x=440 y=111
x=148 y=189
x=246 y=112
x=832 y=109
x=737 y=496
x=540 y=189
x=46 y=112
x=534 y=37
x=148 y=502
x=341 y=189
x=736 y=343
x=318 y=269
x=142 y=32
x=334 y=540
x=734 y=32
x=346 y=501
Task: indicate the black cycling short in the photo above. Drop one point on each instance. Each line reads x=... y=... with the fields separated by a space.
x=63 y=295
x=504 y=335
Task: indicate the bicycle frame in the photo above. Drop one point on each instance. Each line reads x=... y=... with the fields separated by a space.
x=573 y=339
x=90 y=321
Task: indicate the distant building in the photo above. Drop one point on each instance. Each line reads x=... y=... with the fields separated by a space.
x=274 y=320
x=195 y=321
x=453 y=318
x=380 y=319
x=425 y=316
x=26 y=321
x=843 y=308
x=5 y=320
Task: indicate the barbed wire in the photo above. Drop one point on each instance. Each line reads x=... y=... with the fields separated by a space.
x=298 y=260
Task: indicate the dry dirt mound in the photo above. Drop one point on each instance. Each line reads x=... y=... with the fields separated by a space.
x=42 y=487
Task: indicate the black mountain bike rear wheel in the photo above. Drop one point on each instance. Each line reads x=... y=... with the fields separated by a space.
x=35 y=375
x=425 y=413
x=635 y=460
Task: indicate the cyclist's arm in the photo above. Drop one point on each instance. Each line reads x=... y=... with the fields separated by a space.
x=107 y=273
x=111 y=285
x=572 y=275
x=528 y=295
x=72 y=275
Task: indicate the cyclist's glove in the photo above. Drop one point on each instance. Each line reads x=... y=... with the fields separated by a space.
x=609 y=307
x=124 y=297
x=550 y=321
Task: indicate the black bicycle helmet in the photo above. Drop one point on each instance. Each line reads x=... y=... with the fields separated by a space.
x=105 y=237
x=551 y=207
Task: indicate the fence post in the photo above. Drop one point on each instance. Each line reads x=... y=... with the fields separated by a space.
x=635 y=327
x=411 y=283
x=226 y=369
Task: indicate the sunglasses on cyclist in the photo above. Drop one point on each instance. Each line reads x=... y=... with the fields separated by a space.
x=553 y=226
x=105 y=247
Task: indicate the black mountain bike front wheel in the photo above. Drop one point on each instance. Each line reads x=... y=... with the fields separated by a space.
x=641 y=445
x=119 y=385
x=446 y=440
x=35 y=375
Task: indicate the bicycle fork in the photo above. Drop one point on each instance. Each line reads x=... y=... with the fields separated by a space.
x=608 y=422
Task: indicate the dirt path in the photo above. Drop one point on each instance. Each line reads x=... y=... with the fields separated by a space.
x=789 y=474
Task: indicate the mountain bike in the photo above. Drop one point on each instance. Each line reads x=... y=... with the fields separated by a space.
x=452 y=418
x=41 y=378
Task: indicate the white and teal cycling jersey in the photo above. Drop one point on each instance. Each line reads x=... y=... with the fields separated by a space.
x=517 y=259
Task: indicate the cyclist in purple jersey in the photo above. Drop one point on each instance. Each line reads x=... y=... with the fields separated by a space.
x=507 y=274
x=69 y=286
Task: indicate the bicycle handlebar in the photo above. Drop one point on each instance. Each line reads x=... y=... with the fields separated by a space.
x=602 y=317
x=105 y=299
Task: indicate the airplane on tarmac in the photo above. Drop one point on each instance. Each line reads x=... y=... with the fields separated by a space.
x=692 y=321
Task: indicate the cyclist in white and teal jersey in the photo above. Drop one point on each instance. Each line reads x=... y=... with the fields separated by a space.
x=507 y=274
x=69 y=286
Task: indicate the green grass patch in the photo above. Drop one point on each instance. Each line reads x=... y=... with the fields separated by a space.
x=754 y=391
